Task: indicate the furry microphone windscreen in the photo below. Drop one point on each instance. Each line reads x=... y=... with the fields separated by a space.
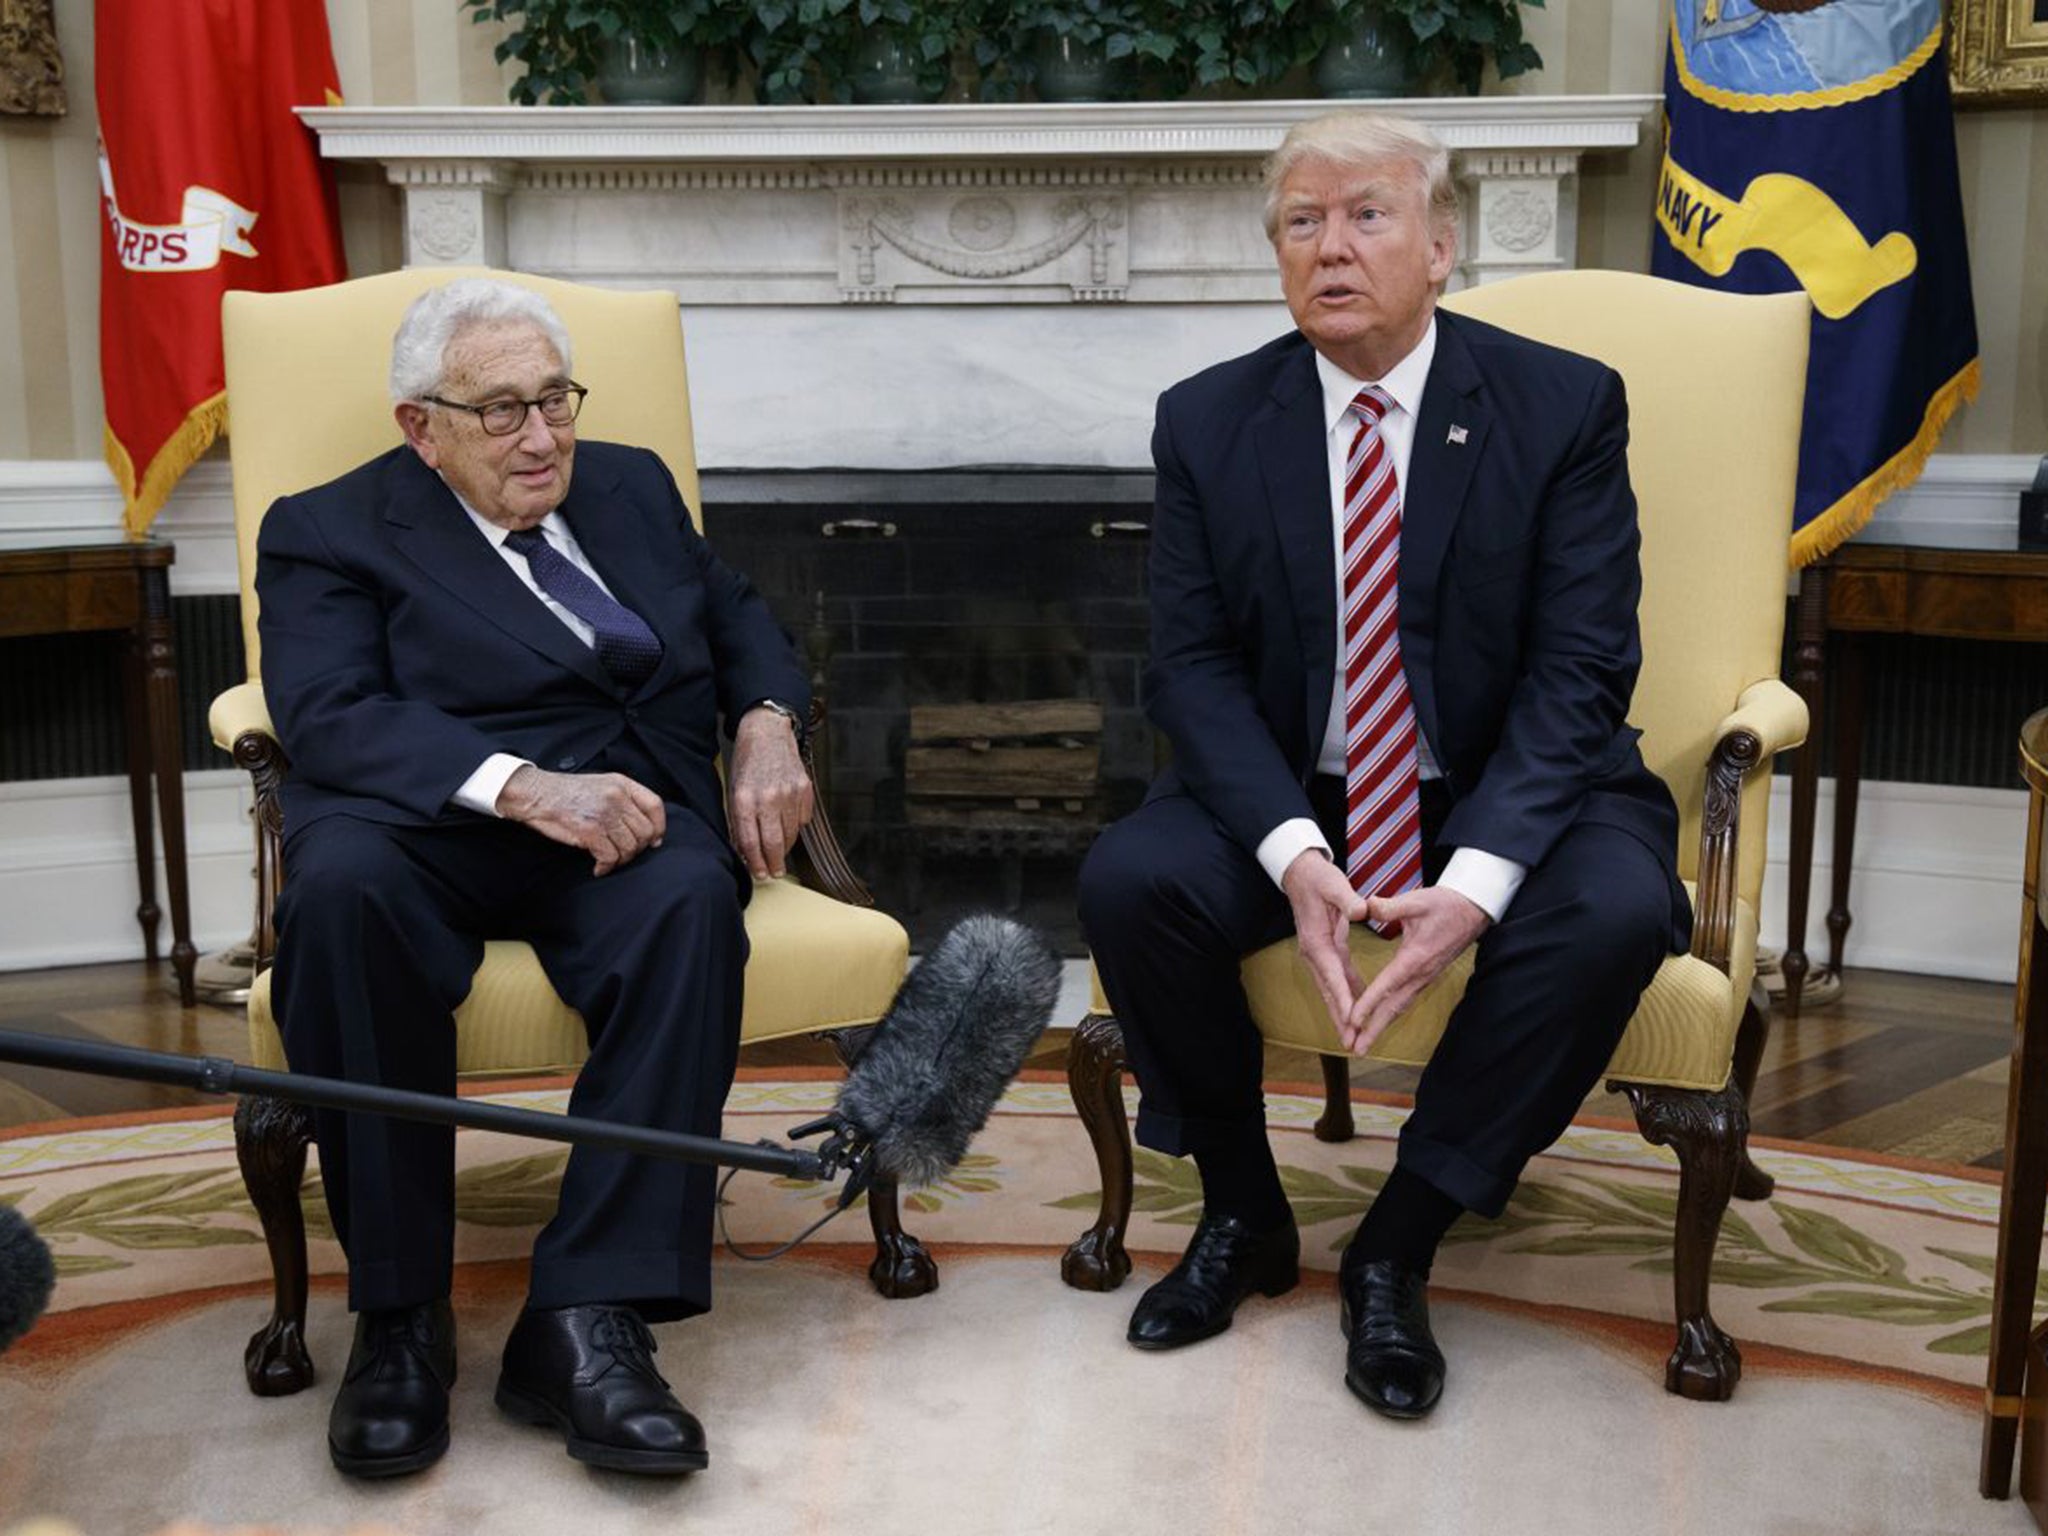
x=27 y=1276
x=951 y=1042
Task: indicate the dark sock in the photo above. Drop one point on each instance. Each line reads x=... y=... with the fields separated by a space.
x=1240 y=1179
x=1409 y=1217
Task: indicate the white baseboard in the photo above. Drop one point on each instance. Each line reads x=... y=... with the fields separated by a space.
x=68 y=888
x=1935 y=887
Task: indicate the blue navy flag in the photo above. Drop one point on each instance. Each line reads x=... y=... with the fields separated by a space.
x=1811 y=144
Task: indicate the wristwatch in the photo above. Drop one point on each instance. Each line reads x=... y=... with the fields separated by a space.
x=796 y=721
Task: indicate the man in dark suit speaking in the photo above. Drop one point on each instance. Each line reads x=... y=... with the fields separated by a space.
x=501 y=688
x=1393 y=587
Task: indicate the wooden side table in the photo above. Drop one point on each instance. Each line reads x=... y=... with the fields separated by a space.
x=115 y=585
x=1893 y=589
x=2018 y=1371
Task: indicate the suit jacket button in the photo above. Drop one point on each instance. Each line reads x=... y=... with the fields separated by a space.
x=566 y=763
x=632 y=714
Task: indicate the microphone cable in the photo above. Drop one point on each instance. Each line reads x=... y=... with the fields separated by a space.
x=855 y=1187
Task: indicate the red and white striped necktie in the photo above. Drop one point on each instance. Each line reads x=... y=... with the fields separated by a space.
x=1383 y=825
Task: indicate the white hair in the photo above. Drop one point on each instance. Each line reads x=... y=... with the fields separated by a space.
x=419 y=351
x=1356 y=139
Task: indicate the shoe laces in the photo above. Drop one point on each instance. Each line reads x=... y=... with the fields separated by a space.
x=407 y=1328
x=624 y=1335
x=1215 y=1246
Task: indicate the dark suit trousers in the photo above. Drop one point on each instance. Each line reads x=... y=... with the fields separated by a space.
x=1170 y=903
x=380 y=929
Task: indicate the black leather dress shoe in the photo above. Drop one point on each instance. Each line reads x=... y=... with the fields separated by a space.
x=1392 y=1365
x=391 y=1415
x=589 y=1372
x=1226 y=1261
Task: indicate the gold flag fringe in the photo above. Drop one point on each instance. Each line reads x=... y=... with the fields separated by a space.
x=142 y=499
x=1836 y=526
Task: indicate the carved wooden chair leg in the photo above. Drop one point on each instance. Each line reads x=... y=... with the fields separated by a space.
x=1751 y=1182
x=1706 y=1130
x=1336 y=1123
x=902 y=1265
x=270 y=1144
x=1096 y=1260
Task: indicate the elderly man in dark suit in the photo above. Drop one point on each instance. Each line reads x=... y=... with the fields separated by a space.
x=1394 y=589
x=501 y=688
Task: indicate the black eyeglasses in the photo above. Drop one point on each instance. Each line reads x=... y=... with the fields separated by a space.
x=501 y=418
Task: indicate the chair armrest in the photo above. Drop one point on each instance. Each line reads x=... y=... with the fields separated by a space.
x=829 y=870
x=1770 y=711
x=1768 y=718
x=240 y=723
x=238 y=712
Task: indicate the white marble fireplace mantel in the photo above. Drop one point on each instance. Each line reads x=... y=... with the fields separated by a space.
x=1101 y=202
x=966 y=283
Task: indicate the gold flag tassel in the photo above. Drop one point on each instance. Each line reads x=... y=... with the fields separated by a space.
x=1836 y=526
x=142 y=499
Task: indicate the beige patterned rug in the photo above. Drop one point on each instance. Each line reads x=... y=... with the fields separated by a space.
x=1006 y=1402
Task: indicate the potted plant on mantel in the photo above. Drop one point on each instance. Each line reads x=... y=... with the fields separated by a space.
x=867 y=51
x=1067 y=50
x=1400 y=47
x=635 y=52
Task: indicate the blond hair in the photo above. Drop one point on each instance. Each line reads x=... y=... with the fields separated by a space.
x=1358 y=139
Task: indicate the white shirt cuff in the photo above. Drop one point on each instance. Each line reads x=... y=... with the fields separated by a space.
x=1285 y=843
x=481 y=789
x=1485 y=879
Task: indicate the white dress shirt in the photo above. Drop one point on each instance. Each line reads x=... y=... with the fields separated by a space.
x=480 y=791
x=1486 y=879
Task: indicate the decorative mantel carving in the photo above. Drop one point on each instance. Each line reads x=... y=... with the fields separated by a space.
x=1150 y=202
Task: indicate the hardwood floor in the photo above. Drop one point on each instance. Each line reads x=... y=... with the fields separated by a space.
x=1909 y=1065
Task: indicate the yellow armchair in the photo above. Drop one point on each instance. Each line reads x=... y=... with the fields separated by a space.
x=1715 y=384
x=308 y=400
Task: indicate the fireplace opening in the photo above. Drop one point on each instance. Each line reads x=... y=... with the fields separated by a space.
x=980 y=634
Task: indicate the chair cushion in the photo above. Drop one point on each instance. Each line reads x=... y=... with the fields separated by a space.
x=814 y=963
x=1682 y=1035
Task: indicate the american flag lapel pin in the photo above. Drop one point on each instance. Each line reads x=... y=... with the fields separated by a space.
x=1456 y=435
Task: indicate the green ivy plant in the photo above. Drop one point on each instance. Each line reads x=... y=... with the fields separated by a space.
x=1452 y=38
x=559 y=43
x=808 y=50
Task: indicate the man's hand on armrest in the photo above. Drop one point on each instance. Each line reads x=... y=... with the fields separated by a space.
x=770 y=797
x=607 y=815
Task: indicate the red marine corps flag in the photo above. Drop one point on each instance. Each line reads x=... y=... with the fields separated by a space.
x=208 y=182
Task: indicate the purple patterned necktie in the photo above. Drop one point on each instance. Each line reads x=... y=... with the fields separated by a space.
x=622 y=640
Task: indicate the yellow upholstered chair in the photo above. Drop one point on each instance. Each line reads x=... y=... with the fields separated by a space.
x=307 y=394
x=1715 y=384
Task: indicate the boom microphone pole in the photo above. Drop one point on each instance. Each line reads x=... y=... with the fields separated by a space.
x=953 y=1038
x=216 y=1074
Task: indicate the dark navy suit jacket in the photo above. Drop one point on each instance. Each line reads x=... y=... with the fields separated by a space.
x=1519 y=584
x=400 y=650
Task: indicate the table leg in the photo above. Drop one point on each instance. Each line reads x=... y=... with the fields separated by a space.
x=1809 y=654
x=2021 y=1202
x=168 y=753
x=135 y=738
x=1849 y=702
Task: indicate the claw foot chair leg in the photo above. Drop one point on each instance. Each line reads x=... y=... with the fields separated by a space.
x=903 y=1267
x=270 y=1144
x=1096 y=1260
x=1707 y=1131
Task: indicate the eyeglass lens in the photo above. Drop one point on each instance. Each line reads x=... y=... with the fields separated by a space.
x=557 y=409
